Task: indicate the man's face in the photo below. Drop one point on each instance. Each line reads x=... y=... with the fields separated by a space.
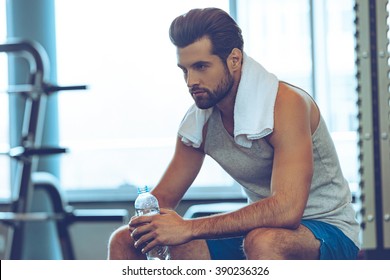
x=207 y=78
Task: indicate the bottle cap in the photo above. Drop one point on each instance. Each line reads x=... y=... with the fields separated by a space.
x=144 y=189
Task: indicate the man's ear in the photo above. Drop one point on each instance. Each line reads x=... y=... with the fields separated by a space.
x=235 y=59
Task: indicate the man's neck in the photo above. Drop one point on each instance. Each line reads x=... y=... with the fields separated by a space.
x=226 y=106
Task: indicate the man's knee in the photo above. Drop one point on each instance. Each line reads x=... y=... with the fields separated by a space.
x=120 y=243
x=262 y=243
x=120 y=236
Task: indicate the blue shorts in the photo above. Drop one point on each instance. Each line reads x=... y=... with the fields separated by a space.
x=335 y=245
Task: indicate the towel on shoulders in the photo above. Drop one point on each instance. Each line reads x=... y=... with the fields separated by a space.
x=253 y=111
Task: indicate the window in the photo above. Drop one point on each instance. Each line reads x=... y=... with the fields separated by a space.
x=277 y=34
x=122 y=130
x=338 y=96
x=311 y=44
x=5 y=189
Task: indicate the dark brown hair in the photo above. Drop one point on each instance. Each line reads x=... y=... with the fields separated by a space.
x=216 y=24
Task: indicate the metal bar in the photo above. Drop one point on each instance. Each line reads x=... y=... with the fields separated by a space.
x=366 y=131
x=11 y=217
x=31 y=134
x=375 y=115
x=384 y=115
x=37 y=56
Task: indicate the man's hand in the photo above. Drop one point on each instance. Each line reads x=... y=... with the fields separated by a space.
x=168 y=228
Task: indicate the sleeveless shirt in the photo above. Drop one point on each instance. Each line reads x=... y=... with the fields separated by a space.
x=329 y=198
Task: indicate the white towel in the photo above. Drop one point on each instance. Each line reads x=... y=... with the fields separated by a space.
x=253 y=111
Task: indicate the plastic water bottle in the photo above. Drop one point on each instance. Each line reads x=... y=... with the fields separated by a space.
x=147 y=204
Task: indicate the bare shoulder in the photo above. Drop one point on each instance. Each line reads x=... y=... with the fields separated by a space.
x=288 y=94
x=296 y=107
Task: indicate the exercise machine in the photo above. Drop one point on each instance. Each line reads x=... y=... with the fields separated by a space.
x=27 y=179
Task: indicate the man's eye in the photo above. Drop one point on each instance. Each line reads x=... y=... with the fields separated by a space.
x=201 y=67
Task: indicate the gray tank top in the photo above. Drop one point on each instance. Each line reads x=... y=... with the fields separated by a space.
x=330 y=197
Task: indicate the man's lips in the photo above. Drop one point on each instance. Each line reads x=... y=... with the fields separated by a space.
x=197 y=92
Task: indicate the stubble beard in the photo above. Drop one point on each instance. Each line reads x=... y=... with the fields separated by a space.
x=214 y=97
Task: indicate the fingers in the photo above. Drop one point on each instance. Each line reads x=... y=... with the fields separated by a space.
x=145 y=238
x=131 y=227
x=142 y=234
x=137 y=231
x=136 y=222
x=139 y=220
x=149 y=246
x=151 y=231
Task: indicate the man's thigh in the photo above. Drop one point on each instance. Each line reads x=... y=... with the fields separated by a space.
x=334 y=244
x=299 y=244
x=281 y=243
x=311 y=240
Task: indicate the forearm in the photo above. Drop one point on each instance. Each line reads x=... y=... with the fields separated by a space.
x=269 y=212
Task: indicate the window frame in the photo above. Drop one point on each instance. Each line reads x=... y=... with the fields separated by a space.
x=194 y=192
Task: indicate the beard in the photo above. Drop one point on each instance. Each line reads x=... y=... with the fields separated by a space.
x=213 y=97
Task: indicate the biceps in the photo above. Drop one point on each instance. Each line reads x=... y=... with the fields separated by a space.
x=186 y=162
x=292 y=172
x=294 y=163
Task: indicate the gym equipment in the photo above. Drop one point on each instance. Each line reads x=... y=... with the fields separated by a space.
x=28 y=181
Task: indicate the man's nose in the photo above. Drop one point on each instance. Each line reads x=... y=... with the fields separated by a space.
x=192 y=79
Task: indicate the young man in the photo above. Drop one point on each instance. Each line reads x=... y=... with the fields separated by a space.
x=270 y=137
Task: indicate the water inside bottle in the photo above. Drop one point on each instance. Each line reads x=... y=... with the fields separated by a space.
x=159 y=253
x=147 y=212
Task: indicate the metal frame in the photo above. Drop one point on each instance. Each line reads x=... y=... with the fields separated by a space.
x=28 y=180
x=384 y=114
x=372 y=60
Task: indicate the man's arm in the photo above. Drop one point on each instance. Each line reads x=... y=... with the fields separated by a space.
x=180 y=174
x=291 y=174
x=290 y=184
